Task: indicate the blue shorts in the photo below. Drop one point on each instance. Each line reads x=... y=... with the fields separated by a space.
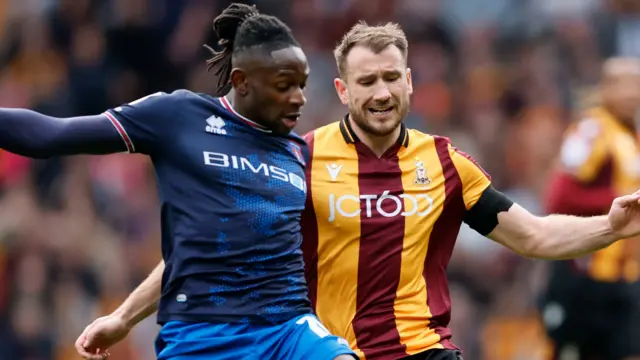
x=301 y=338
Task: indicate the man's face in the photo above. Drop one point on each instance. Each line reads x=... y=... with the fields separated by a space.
x=376 y=88
x=622 y=92
x=274 y=89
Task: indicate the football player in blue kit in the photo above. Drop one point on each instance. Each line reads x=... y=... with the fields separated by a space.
x=231 y=184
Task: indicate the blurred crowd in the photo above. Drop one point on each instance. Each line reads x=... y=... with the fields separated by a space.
x=502 y=78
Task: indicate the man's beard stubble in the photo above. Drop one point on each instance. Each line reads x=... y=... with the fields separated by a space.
x=359 y=117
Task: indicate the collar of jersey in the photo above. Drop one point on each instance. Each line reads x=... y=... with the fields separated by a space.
x=611 y=120
x=351 y=138
x=251 y=123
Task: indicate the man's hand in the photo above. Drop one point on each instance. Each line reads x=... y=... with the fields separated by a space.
x=99 y=336
x=95 y=340
x=624 y=216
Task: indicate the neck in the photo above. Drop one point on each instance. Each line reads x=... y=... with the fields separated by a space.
x=236 y=104
x=377 y=144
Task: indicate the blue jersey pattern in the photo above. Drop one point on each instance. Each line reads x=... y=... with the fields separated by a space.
x=231 y=199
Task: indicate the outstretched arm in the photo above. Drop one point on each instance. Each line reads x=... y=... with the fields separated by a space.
x=28 y=133
x=553 y=237
x=556 y=237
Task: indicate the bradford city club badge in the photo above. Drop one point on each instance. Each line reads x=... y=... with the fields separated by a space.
x=421 y=174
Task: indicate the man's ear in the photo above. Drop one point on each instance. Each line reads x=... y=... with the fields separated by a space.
x=341 y=89
x=239 y=81
x=409 y=81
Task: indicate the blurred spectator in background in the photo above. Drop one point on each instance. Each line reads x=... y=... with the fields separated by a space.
x=591 y=308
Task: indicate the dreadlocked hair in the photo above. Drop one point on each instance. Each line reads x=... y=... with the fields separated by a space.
x=238 y=28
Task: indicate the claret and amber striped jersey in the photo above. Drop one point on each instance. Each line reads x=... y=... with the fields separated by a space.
x=600 y=160
x=378 y=234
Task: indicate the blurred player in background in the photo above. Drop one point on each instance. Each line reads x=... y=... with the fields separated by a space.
x=592 y=305
x=384 y=207
x=232 y=189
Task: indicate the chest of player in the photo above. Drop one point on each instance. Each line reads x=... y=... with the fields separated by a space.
x=233 y=156
x=345 y=193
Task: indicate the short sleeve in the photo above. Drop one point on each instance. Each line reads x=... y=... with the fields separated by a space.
x=147 y=123
x=584 y=150
x=474 y=179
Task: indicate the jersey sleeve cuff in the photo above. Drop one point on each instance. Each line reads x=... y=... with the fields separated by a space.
x=122 y=131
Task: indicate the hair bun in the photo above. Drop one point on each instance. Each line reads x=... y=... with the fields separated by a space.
x=227 y=24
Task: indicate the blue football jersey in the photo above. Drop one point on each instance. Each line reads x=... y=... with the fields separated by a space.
x=231 y=198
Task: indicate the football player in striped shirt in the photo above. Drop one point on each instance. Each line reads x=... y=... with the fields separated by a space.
x=384 y=207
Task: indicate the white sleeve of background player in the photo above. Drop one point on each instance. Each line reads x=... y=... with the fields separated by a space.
x=583 y=150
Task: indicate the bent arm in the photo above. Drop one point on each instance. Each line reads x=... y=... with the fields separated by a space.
x=143 y=301
x=28 y=133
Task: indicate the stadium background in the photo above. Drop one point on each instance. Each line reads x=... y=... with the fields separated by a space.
x=502 y=78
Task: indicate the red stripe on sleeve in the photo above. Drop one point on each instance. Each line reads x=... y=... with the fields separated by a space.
x=123 y=133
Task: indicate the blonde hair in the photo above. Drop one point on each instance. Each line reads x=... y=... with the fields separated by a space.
x=375 y=38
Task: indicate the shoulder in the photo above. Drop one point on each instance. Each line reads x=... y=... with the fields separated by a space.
x=159 y=102
x=328 y=131
x=442 y=144
x=190 y=105
x=450 y=156
x=297 y=139
x=184 y=97
x=584 y=144
x=588 y=126
x=182 y=94
x=428 y=142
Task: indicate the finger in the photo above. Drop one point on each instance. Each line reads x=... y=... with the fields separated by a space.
x=79 y=341
x=628 y=200
x=90 y=345
x=80 y=348
x=90 y=337
x=86 y=354
x=99 y=355
x=83 y=352
x=104 y=354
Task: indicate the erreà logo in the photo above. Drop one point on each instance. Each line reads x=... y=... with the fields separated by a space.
x=215 y=125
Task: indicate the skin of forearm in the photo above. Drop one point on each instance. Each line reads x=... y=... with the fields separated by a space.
x=565 y=237
x=143 y=301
